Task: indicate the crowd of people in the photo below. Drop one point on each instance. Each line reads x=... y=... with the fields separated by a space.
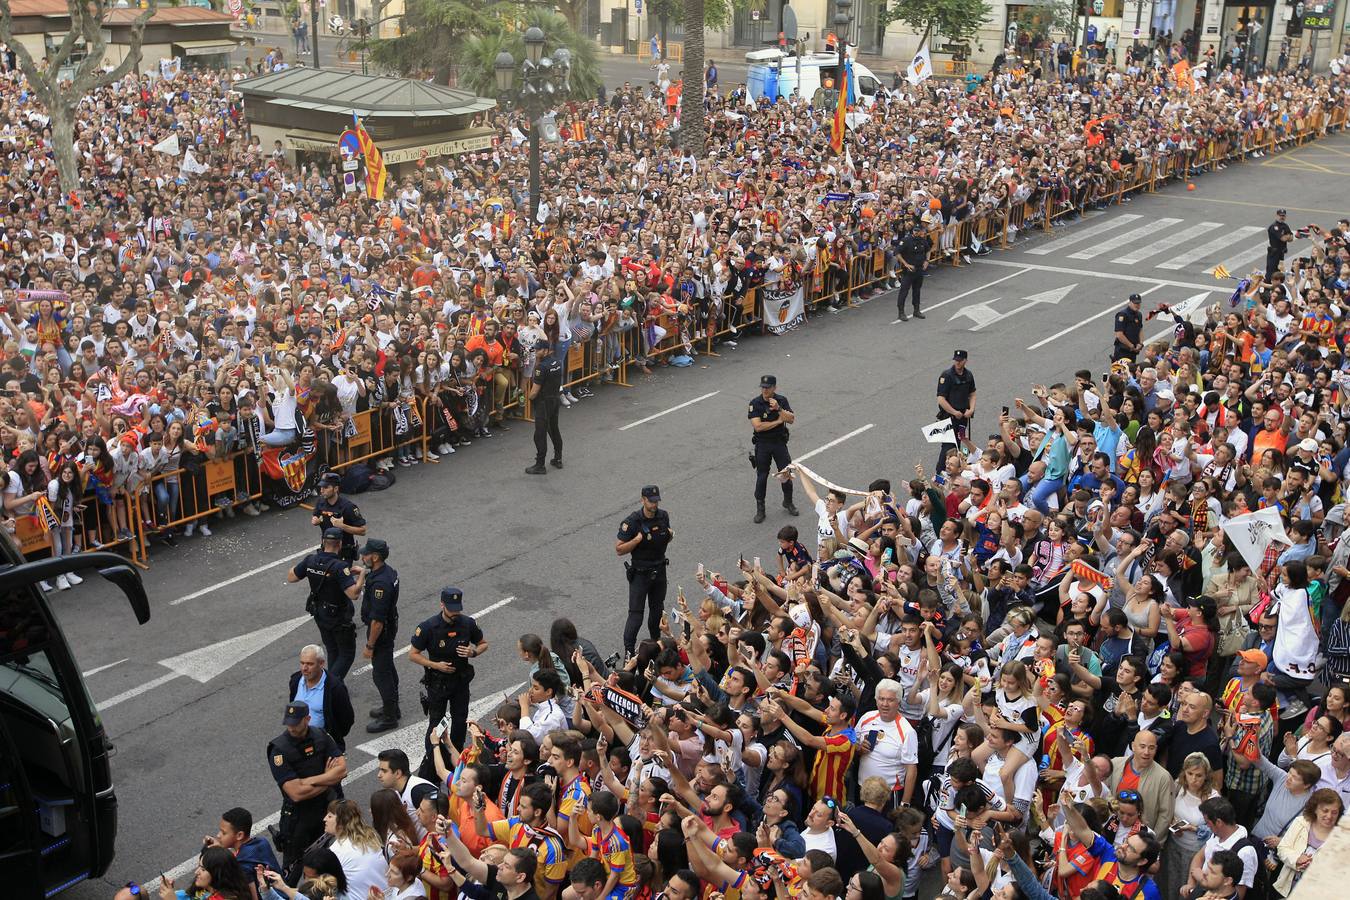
x=1042 y=670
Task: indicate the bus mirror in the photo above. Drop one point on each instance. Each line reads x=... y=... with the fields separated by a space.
x=128 y=580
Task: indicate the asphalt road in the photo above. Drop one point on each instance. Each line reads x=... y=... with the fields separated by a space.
x=191 y=698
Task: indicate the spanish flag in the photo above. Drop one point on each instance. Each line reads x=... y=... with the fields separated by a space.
x=375 y=171
x=1221 y=273
x=839 y=124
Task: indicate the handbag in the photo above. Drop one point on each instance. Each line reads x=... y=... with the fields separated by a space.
x=1232 y=635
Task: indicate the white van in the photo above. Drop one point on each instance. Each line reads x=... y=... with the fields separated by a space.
x=773 y=74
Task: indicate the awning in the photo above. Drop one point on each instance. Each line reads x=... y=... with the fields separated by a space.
x=403 y=150
x=205 y=47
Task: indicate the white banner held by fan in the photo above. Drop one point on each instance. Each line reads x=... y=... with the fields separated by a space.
x=940 y=432
x=1251 y=533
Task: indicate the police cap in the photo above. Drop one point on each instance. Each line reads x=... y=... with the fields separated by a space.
x=452 y=598
x=296 y=713
x=330 y=479
x=1135 y=298
x=768 y=381
x=960 y=354
x=333 y=534
x=375 y=545
x=651 y=492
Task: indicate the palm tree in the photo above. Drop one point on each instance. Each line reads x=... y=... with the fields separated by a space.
x=693 y=124
x=479 y=52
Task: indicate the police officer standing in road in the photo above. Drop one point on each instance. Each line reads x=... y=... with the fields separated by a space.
x=1280 y=236
x=379 y=613
x=332 y=588
x=545 y=398
x=308 y=767
x=956 y=401
x=645 y=533
x=443 y=645
x=335 y=511
x=913 y=263
x=1129 y=330
x=770 y=415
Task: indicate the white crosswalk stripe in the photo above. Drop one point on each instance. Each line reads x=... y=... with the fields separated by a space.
x=1163 y=243
x=1121 y=240
x=1239 y=263
x=1075 y=235
x=1209 y=248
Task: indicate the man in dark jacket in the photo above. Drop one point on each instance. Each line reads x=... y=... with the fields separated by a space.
x=329 y=703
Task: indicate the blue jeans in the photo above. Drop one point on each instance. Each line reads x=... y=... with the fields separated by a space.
x=280 y=437
x=1043 y=491
x=166 y=498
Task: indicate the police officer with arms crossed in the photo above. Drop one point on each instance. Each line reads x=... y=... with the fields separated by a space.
x=1129 y=331
x=443 y=645
x=308 y=766
x=335 y=511
x=770 y=415
x=913 y=263
x=956 y=401
x=379 y=613
x=332 y=588
x=545 y=394
x=1280 y=236
x=645 y=533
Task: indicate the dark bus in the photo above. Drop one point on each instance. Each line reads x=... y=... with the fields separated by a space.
x=58 y=811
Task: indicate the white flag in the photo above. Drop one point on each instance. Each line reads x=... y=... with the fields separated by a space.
x=169 y=68
x=169 y=145
x=1251 y=533
x=940 y=432
x=191 y=166
x=921 y=69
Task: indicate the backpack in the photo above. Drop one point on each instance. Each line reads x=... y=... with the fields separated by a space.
x=381 y=481
x=356 y=480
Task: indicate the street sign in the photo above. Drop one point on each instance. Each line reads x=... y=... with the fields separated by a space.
x=754 y=15
x=638 y=4
x=236 y=7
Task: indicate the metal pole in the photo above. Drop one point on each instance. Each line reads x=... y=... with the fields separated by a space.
x=534 y=169
x=314 y=28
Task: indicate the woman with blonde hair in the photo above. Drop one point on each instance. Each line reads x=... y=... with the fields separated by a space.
x=358 y=847
x=1305 y=835
x=1195 y=785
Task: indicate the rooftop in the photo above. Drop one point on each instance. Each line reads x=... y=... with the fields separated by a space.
x=325 y=90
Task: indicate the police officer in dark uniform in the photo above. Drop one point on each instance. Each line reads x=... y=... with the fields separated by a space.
x=308 y=767
x=1280 y=236
x=770 y=415
x=335 y=511
x=1129 y=330
x=332 y=588
x=956 y=401
x=443 y=645
x=645 y=533
x=913 y=263
x=545 y=395
x=379 y=613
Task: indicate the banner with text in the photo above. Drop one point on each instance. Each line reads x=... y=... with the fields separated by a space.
x=784 y=310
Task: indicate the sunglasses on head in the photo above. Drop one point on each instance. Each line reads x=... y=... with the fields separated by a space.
x=1128 y=796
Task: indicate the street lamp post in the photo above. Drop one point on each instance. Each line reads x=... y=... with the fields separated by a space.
x=842 y=22
x=543 y=78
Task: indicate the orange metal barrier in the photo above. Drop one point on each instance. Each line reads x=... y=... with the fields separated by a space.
x=95 y=526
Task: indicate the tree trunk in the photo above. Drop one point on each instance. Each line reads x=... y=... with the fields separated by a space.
x=63 y=145
x=693 y=121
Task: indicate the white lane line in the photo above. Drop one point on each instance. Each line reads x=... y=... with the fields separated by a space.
x=137 y=691
x=668 y=411
x=1181 y=260
x=97 y=669
x=241 y=576
x=1075 y=236
x=1074 y=327
x=403 y=651
x=1120 y=240
x=1111 y=276
x=1140 y=254
x=1236 y=263
x=410 y=739
x=971 y=291
x=834 y=443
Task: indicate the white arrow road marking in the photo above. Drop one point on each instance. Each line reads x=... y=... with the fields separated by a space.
x=983 y=315
x=97 y=669
x=203 y=664
x=409 y=739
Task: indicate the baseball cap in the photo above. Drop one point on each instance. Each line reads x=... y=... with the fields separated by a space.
x=375 y=545
x=1308 y=444
x=1281 y=212
x=452 y=598
x=295 y=713
x=330 y=479
x=651 y=492
x=767 y=381
x=960 y=354
x=333 y=534
x=1255 y=656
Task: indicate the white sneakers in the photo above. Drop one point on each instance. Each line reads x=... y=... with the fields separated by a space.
x=74 y=579
x=62 y=584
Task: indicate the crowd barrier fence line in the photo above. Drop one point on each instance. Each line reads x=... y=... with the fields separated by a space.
x=170 y=500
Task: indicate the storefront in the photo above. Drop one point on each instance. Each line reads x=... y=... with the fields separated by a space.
x=1245 y=28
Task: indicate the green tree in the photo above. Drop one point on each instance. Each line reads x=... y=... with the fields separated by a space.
x=480 y=53
x=693 y=121
x=434 y=31
x=1042 y=19
x=957 y=20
